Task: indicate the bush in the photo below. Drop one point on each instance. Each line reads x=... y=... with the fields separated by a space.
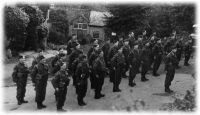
x=57 y=38
x=16 y=22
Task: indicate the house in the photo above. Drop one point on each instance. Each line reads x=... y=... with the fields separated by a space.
x=85 y=23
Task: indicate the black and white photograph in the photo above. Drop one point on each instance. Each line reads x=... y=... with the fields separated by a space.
x=99 y=57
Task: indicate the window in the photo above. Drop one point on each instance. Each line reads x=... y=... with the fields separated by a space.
x=96 y=34
x=80 y=26
x=75 y=26
x=84 y=26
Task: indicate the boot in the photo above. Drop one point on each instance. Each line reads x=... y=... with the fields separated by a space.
x=19 y=102
x=39 y=105
x=132 y=84
x=168 y=90
x=43 y=106
x=24 y=101
x=102 y=95
x=61 y=110
x=144 y=79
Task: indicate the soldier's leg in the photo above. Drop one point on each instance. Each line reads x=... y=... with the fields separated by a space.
x=97 y=88
x=168 y=80
x=132 y=75
x=156 y=66
x=111 y=74
x=187 y=57
x=23 y=92
x=92 y=79
x=19 y=93
x=143 y=72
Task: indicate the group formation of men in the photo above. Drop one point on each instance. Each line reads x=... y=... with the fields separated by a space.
x=125 y=55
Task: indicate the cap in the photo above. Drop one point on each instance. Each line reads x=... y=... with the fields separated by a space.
x=22 y=58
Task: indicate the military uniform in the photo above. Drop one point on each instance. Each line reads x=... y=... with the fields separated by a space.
x=71 y=44
x=134 y=60
x=179 y=51
x=56 y=64
x=118 y=62
x=145 y=62
x=170 y=63
x=157 y=51
x=19 y=76
x=188 y=51
x=105 y=48
x=131 y=41
x=82 y=73
x=151 y=59
x=60 y=82
x=113 y=50
x=72 y=57
x=40 y=77
x=126 y=51
x=91 y=59
x=100 y=70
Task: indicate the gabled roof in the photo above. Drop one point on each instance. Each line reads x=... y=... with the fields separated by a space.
x=98 y=18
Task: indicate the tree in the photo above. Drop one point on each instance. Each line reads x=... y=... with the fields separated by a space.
x=36 y=19
x=16 y=22
x=60 y=26
x=127 y=17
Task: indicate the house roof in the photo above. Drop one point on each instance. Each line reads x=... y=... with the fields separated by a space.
x=98 y=18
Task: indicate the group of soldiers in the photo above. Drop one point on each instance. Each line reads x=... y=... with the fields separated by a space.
x=131 y=55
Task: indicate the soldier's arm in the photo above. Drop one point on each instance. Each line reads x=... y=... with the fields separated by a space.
x=33 y=74
x=55 y=81
x=14 y=74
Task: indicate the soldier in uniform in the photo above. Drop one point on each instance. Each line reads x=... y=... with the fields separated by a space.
x=71 y=44
x=131 y=39
x=37 y=59
x=100 y=70
x=118 y=64
x=151 y=45
x=82 y=74
x=179 y=51
x=145 y=61
x=91 y=59
x=19 y=76
x=113 y=50
x=39 y=78
x=60 y=83
x=170 y=65
x=188 y=51
x=72 y=57
x=126 y=51
x=134 y=60
x=157 y=51
x=95 y=43
x=105 y=48
x=56 y=63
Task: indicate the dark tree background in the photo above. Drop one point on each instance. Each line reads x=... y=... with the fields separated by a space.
x=160 y=18
x=59 y=26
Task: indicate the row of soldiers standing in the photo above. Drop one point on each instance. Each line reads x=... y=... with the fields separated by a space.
x=115 y=61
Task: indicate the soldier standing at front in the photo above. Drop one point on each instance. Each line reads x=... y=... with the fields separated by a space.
x=100 y=70
x=118 y=64
x=170 y=65
x=39 y=78
x=19 y=76
x=157 y=51
x=82 y=74
x=60 y=83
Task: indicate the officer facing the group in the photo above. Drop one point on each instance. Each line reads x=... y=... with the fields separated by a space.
x=19 y=76
x=100 y=71
x=118 y=64
x=39 y=78
x=170 y=65
x=82 y=74
x=60 y=83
